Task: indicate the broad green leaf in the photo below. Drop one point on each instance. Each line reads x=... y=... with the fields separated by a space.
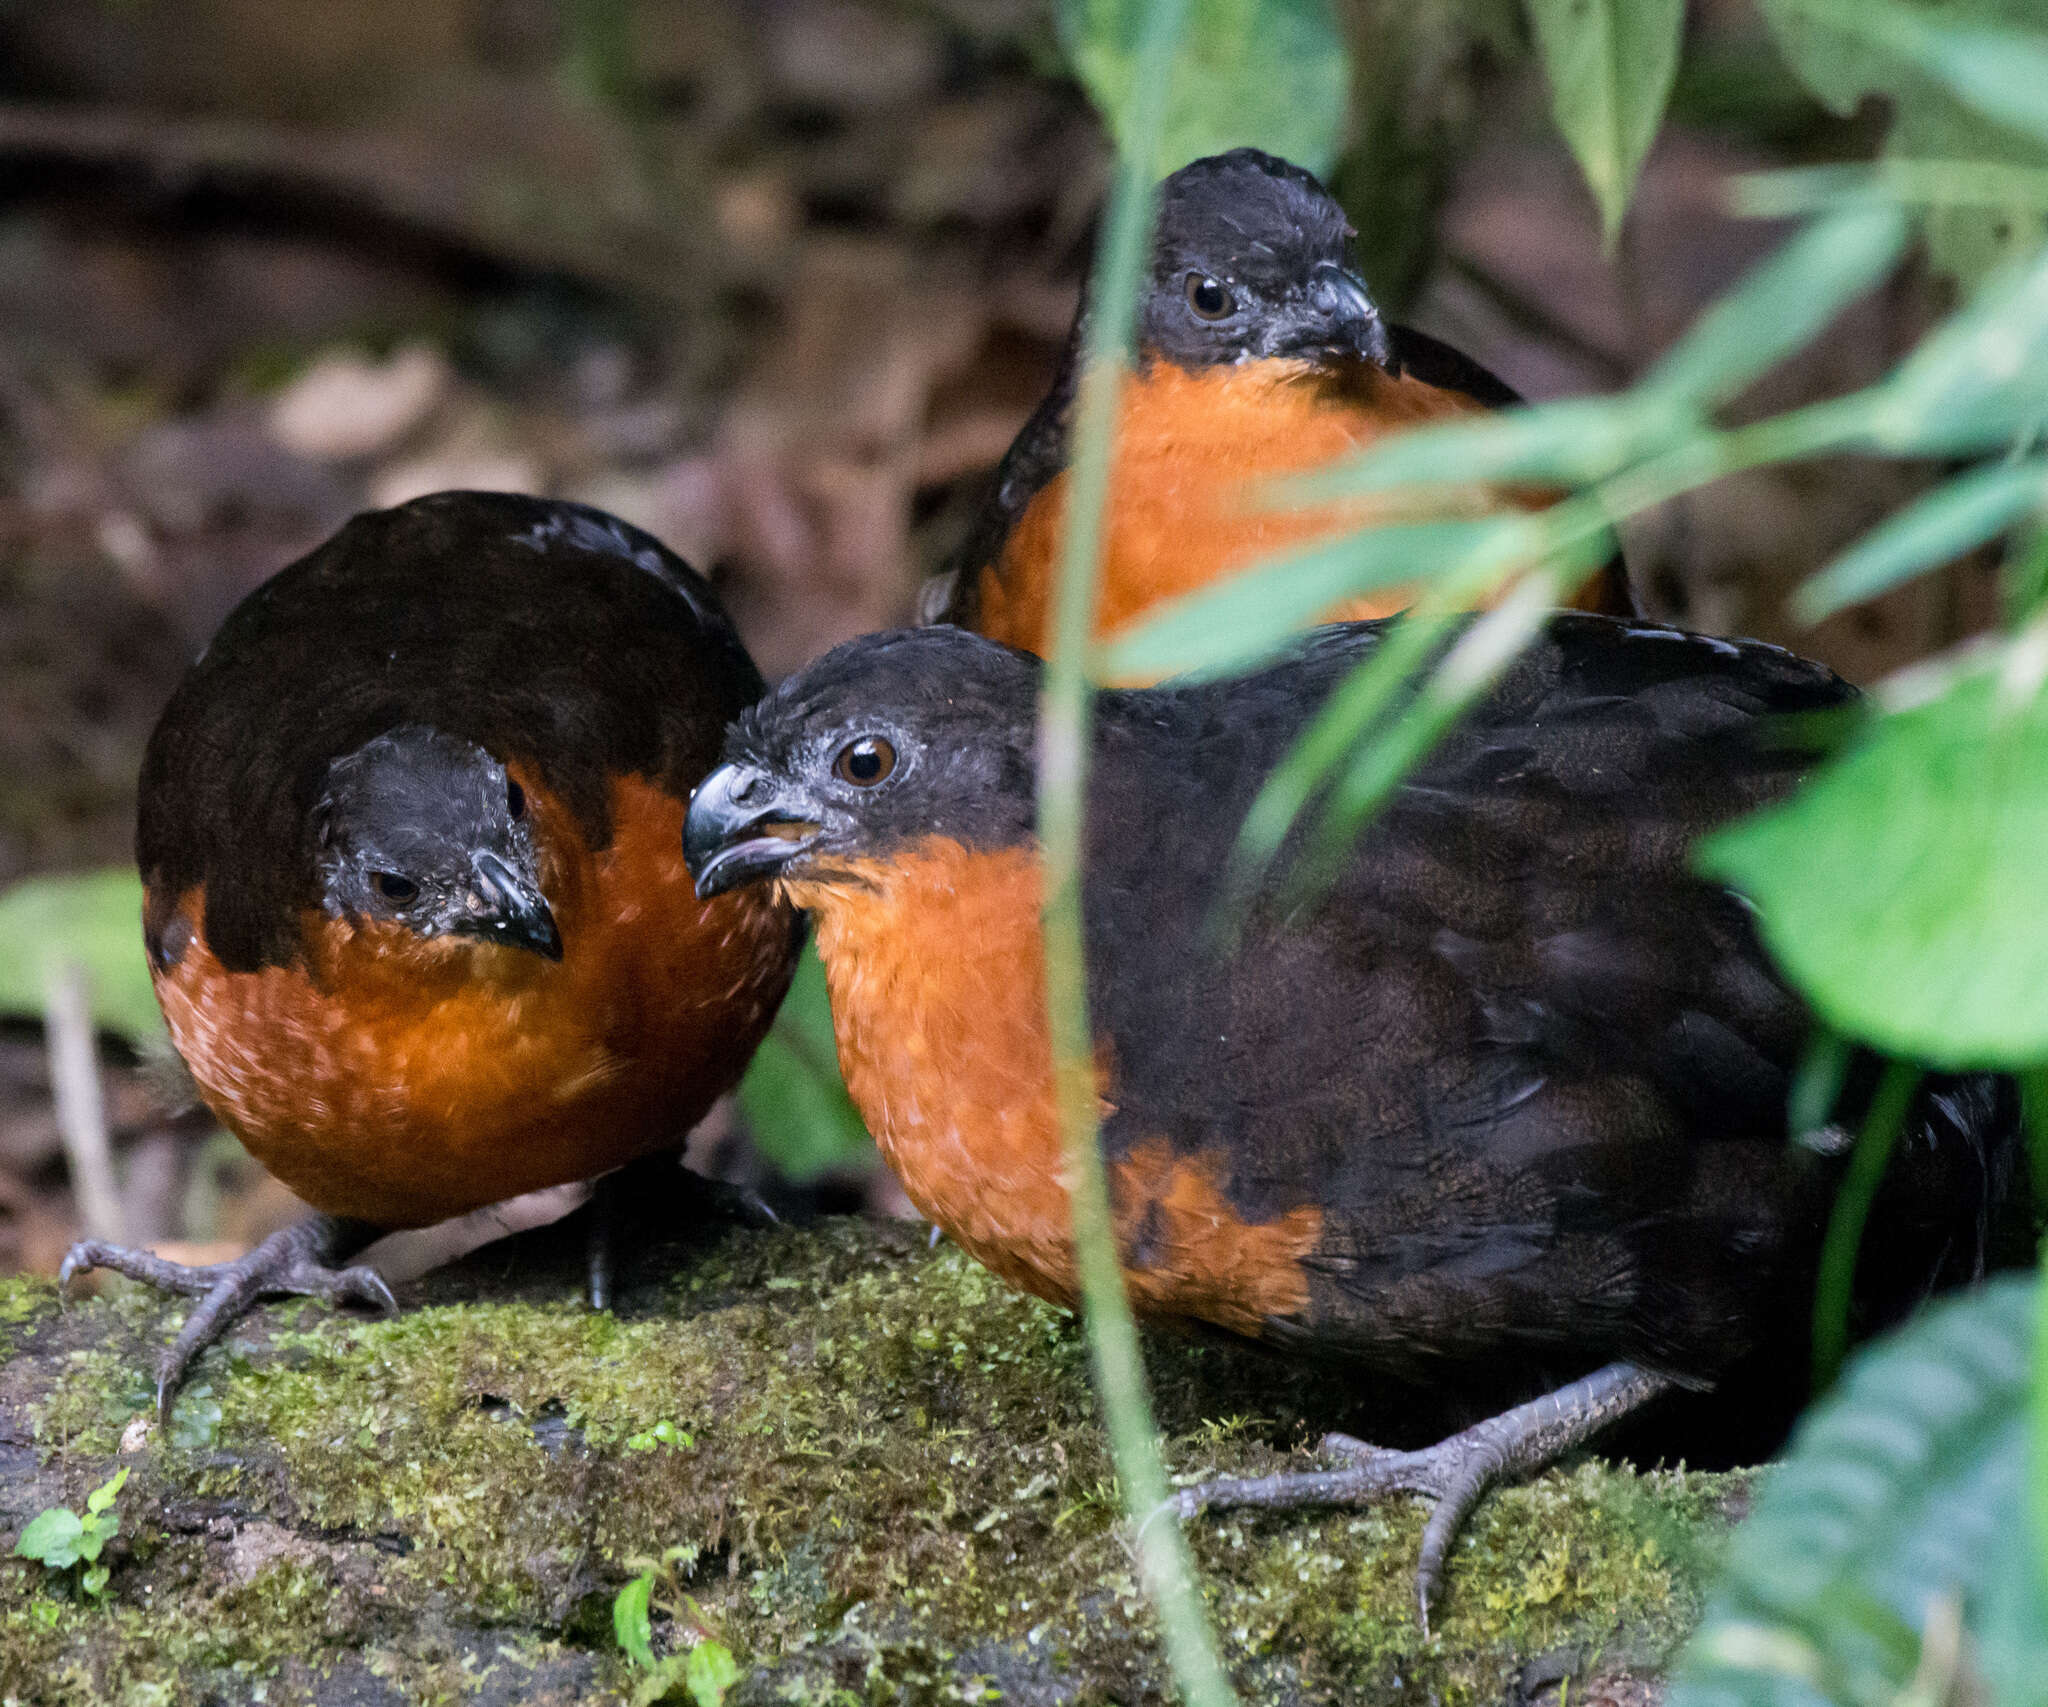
x=796 y=1104
x=1783 y=304
x=1896 y=1506
x=1569 y=443
x=1955 y=517
x=93 y=918
x=1900 y=888
x=711 y=1671
x=1235 y=623
x=1846 y=50
x=631 y=1622
x=105 y=1494
x=1611 y=63
x=1265 y=74
x=1977 y=381
x=52 y=1539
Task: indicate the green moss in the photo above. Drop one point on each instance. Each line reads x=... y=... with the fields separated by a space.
x=23 y=1302
x=886 y=1464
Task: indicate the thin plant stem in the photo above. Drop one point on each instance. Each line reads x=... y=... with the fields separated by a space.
x=1062 y=790
x=1873 y=1152
x=2034 y=1109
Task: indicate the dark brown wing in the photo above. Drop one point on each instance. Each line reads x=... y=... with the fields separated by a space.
x=541 y=630
x=1530 y=1069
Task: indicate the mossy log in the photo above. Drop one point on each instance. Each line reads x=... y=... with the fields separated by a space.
x=882 y=1479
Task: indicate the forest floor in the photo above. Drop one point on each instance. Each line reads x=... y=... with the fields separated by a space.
x=876 y=1472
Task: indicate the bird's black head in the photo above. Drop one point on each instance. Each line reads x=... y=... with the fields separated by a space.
x=429 y=832
x=886 y=741
x=1250 y=261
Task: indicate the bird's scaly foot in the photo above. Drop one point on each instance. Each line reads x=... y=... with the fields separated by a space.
x=1456 y=1472
x=292 y=1262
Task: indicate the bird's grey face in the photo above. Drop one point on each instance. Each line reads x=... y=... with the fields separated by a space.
x=429 y=832
x=884 y=742
x=1250 y=262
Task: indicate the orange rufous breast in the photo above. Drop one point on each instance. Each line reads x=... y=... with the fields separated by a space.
x=1190 y=449
x=938 y=1001
x=400 y=1080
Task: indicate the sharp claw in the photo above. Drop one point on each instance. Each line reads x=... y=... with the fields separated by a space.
x=366 y=1286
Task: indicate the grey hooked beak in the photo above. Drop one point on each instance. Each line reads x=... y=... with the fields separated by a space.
x=1349 y=319
x=742 y=827
x=504 y=907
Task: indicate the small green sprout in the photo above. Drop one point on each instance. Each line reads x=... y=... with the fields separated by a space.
x=60 y=1538
x=707 y=1670
x=663 y=1433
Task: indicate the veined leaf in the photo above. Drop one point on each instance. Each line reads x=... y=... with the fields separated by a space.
x=1266 y=74
x=1954 y=518
x=1611 y=64
x=1896 y=1509
x=1900 y=888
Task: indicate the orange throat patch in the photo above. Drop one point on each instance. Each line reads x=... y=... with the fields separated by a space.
x=938 y=998
x=1183 y=509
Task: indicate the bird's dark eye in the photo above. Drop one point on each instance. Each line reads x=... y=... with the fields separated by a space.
x=515 y=798
x=396 y=888
x=1209 y=298
x=864 y=762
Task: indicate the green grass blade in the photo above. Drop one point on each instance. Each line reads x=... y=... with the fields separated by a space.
x=1800 y=190
x=1236 y=622
x=1954 y=518
x=1573 y=442
x=1977 y=380
x=1783 y=303
x=1471 y=666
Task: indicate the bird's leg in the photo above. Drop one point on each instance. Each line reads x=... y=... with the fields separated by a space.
x=294 y=1261
x=619 y=1202
x=600 y=1257
x=1455 y=1472
x=654 y=1192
